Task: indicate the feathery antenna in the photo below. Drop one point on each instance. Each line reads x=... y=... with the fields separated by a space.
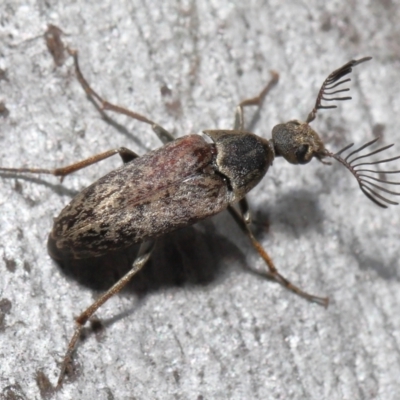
x=331 y=82
x=365 y=176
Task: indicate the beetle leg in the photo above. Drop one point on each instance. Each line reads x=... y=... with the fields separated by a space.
x=126 y=155
x=273 y=272
x=143 y=256
x=104 y=105
x=245 y=210
x=255 y=101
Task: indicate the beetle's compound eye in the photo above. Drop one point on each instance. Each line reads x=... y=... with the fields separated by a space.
x=297 y=142
x=301 y=153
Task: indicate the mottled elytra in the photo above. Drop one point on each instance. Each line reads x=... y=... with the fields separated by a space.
x=190 y=179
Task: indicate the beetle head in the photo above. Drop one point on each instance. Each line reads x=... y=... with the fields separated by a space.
x=297 y=142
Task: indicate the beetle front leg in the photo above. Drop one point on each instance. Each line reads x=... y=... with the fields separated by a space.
x=143 y=256
x=273 y=272
x=245 y=210
x=104 y=105
x=126 y=155
x=255 y=101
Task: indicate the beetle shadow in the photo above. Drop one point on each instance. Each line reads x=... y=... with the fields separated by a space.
x=297 y=211
x=120 y=128
x=386 y=268
x=190 y=256
x=57 y=188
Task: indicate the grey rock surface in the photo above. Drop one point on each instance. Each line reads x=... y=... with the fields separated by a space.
x=207 y=328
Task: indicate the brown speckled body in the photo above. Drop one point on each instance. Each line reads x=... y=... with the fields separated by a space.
x=174 y=186
x=166 y=189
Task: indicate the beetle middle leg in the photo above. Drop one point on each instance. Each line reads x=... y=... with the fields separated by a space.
x=143 y=256
x=125 y=154
x=244 y=224
x=104 y=105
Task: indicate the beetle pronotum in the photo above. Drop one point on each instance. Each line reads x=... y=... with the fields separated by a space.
x=190 y=179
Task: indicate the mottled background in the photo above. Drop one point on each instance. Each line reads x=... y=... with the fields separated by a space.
x=198 y=325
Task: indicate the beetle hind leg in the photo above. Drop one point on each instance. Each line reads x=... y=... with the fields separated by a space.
x=143 y=256
x=272 y=272
x=104 y=105
x=254 y=101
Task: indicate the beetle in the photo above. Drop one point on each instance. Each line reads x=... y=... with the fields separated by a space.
x=190 y=179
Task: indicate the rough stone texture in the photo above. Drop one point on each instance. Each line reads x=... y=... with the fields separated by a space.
x=212 y=330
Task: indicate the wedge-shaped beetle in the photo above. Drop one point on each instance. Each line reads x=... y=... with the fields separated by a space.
x=190 y=179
